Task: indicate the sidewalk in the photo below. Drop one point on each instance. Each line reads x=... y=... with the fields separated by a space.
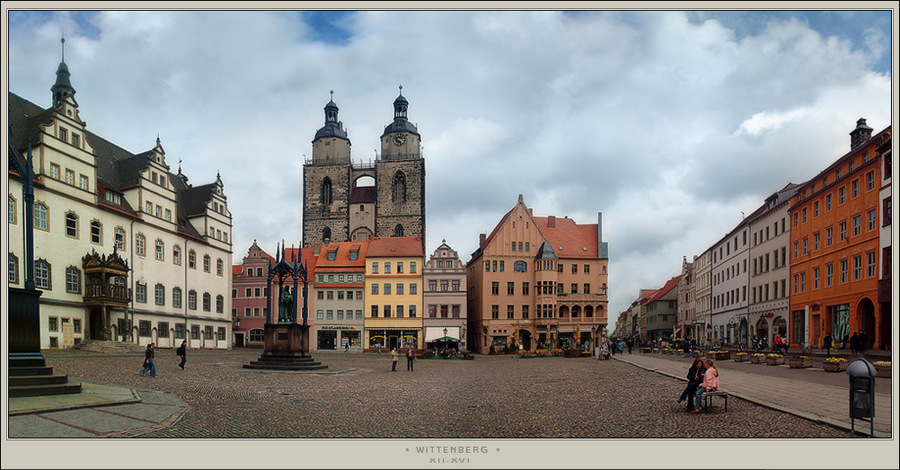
x=821 y=403
x=91 y=414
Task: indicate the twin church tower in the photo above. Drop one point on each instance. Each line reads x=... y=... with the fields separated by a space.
x=346 y=201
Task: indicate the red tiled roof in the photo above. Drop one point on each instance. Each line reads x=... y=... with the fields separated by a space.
x=569 y=240
x=394 y=247
x=342 y=259
x=671 y=284
x=307 y=257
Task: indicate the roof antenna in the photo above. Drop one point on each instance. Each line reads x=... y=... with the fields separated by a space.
x=63 y=42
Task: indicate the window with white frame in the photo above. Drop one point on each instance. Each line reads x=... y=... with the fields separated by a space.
x=139 y=244
x=73 y=280
x=42 y=274
x=159 y=294
x=71 y=225
x=160 y=250
x=41 y=216
x=120 y=238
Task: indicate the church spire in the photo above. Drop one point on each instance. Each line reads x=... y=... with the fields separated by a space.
x=62 y=89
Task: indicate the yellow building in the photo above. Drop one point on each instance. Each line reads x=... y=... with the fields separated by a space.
x=393 y=299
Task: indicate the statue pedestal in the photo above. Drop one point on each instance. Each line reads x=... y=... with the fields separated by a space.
x=286 y=348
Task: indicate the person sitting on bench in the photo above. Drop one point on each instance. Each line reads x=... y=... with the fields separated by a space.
x=710 y=384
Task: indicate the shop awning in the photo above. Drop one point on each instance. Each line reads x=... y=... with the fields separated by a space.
x=445 y=339
x=432 y=333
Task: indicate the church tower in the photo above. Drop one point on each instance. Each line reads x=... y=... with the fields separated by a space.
x=346 y=201
x=401 y=178
x=326 y=186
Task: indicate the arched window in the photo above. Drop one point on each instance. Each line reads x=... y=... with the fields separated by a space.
x=13 y=269
x=41 y=216
x=96 y=232
x=326 y=196
x=160 y=250
x=139 y=241
x=326 y=234
x=398 y=193
x=206 y=261
x=176 y=255
x=73 y=280
x=398 y=231
x=12 y=209
x=71 y=225
x=120 y=238
x=42 y=274
x=520 y=266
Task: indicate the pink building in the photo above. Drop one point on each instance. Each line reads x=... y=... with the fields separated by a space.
x=248 y=297
x=444 y=300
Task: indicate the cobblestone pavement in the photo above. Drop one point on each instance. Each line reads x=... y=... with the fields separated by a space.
x=358 y=396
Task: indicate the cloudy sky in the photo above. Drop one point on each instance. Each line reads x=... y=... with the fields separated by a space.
x=670 y=123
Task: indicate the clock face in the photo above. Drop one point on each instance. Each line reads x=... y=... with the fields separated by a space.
x=399 y=139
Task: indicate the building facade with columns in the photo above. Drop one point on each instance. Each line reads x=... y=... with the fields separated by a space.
x=124 y=249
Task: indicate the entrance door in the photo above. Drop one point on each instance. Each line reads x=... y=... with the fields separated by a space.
x=393 y=341
x=96 y=328
x=239 y=340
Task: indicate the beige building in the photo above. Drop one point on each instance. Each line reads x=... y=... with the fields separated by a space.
x=687 y=306
x=702 y=324
x=770 y=265
x=538 y=282
x=444 y=299
x=124 y=250
x=393 y=293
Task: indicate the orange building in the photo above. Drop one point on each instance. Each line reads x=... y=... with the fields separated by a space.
x=835 y=248
x=538 y=282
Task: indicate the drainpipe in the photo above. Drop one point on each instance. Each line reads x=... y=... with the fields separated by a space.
x=131 y=299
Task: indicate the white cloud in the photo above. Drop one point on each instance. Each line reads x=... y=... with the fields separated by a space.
x=667 y=126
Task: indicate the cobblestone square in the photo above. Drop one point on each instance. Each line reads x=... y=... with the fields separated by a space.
x=359 y=396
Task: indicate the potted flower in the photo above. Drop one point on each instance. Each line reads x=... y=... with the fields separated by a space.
x=757 y=358
x=723 y=355
x=835 y=364
x=774 y=359
x=882 y=368
x=800 y=362
x=741 y=357
x=696 y=353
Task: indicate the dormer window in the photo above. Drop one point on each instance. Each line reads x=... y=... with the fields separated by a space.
x=75 y=139
x=332 y=255
x=63 y=134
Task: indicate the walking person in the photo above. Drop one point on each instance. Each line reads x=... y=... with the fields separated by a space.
x=854 y=344
x=410 y=357
x=182 y=353
x=394 y=358
x=710 y=383
x=863 y=342
x=826 y=344
x=694 y=376
x=149 y=365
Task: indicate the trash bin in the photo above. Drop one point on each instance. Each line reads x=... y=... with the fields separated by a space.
x=862 y=393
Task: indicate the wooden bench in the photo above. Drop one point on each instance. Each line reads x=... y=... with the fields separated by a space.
x=717 y=393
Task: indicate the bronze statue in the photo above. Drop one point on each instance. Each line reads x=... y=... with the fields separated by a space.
x=284 y=309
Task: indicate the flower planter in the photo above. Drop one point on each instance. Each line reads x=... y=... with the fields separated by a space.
x=835 y=366
x=883 y=371
x=775 y=361
x=696 y=354
x=800 y=362
x=757 y=359
x=647 y=350
x=741 y=357
x=723 y=355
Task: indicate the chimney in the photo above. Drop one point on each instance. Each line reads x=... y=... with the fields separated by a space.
x=861 y=134
x=602 y=246
x=551 y=221
x=481 y=239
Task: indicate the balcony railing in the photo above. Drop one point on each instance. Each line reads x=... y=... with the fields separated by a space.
x=106 y=293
